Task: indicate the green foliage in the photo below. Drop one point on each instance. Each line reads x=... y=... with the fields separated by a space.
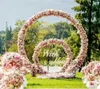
x=74 y=42
x=13 y=40
x=13 y=48
x=2 y=42
x=31 y=39
x=8 y=37
x=61 y=29
x=88 y=13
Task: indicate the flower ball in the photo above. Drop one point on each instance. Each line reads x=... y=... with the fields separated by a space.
x=11 y=60
x=12 y=80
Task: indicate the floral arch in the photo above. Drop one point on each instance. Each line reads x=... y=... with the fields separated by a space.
x=84 y=41
x=56 y=42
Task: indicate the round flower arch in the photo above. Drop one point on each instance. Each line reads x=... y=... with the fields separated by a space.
x=84 y=41
x=56 y=42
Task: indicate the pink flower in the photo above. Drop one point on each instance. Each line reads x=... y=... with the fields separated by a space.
x=96 y=70
x=12 y=60
x=12 y=80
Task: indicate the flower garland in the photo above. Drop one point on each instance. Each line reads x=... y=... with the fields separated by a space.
x=48 y=42
x=84 y=41
x=91 y=74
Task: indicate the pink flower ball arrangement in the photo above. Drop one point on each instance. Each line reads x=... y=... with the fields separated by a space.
x=11 y=60
x=11 y=75
x=12 y=80
x=91 y=74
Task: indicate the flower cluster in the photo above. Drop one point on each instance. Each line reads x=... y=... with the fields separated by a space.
x=37 y=69
x=57 y=75
x=84 y=41
x=91 y=74
x=11 y=76
x=11 y=61
x=12 y=80
x=57 y=42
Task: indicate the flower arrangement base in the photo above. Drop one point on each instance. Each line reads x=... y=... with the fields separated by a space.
x=37 y=69
x=57 y=75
